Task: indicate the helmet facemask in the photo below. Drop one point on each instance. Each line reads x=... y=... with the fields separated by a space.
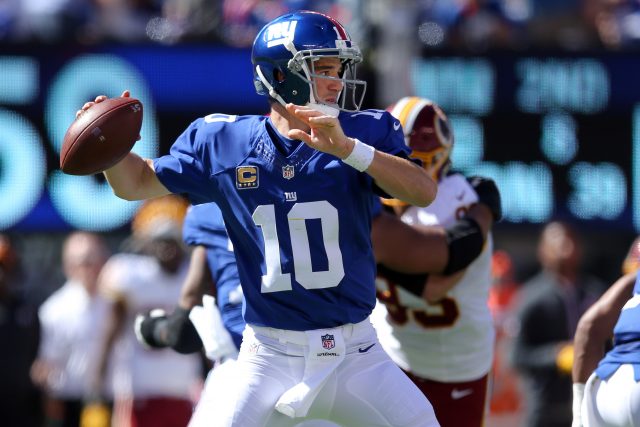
x=350 y=98
x=298 y=84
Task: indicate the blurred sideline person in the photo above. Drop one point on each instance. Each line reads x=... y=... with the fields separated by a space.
x=72 y=321
x=506 y=408
x=152 y=388
x=438 y=327
x=551 y=304
x=199 y=318
x=611 y=396
x=295 y=193
x=20 y=399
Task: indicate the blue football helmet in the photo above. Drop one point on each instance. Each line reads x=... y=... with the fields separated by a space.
x=283 y=57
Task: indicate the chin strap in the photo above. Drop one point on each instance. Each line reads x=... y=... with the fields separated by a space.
x=272 y=91
x=324 y=109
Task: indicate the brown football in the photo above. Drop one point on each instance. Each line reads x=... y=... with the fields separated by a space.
x=101 y=136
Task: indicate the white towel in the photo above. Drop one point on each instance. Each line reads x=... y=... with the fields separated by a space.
x=216 y=339
x=325 y=351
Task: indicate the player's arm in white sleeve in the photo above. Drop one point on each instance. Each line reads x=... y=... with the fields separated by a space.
x=594 y=329
x=398 y=177
x=114 y=285
x=133 y=178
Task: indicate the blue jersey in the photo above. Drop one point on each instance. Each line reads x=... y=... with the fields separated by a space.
x=299 y=219
x=626 y=339
x=204 y=226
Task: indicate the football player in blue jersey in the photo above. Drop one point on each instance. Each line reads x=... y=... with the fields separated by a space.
x=606 y=390
x=219 y=328
x=295 y=193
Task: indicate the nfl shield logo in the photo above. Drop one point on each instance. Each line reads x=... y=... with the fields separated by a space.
x=288 y=172
x=328 y=342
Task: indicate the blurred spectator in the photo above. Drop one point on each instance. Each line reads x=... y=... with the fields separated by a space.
x=152 y=387
x=19 y=336
x=506 y=402
x=120 y=20
x=8 y=19
x=186 y=20
x=561 y=24
x=616 y=22
x=73 y=320
x=467 y=25
x=473 y=25
x=51 y=21
x=242 y=19
x=551 y=304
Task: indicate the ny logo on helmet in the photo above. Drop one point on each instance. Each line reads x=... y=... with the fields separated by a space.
x=280 y=33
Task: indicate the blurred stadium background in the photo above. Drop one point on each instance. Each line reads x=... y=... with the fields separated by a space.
x=543 y=96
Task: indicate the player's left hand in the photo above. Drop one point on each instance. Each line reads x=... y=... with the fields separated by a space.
x=326 y=134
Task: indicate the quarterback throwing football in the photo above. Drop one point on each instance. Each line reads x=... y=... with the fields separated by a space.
x=295 y=192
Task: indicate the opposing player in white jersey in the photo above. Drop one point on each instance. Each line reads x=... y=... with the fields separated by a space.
x=151 y=387
x=606 y=390
x=442 y=334
x=295 y=193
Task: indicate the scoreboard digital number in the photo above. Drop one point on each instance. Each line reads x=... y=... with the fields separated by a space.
x=560 y=135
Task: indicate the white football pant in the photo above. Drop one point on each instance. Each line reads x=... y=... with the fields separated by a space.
x=614 y=402
x=361 y=386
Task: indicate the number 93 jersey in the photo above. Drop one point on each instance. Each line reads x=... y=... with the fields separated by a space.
x=451 y=340
x=299 y=219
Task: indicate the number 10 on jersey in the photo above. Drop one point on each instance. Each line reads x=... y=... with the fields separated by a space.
x=275 y=280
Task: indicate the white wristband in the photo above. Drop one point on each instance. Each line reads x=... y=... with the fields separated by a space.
x=578 y=396
x=361 y=156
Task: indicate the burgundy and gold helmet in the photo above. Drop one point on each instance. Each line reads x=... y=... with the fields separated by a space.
x=160 y=217
x=427 y=132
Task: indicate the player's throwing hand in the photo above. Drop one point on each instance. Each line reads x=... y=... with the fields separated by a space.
x=326 y=134
x=98 y=99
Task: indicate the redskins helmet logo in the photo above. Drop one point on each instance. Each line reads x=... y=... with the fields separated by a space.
x=427 y=132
